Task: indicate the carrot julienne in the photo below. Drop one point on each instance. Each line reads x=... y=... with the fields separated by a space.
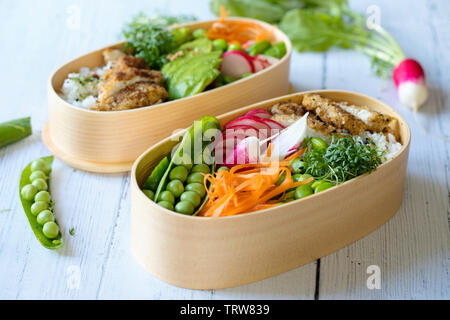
x=247 y=187
x=237 y=32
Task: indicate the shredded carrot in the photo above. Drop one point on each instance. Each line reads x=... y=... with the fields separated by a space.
x=246 y=188
x=238 y=31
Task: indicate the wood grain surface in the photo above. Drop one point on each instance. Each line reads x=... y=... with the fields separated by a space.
x=411 y=250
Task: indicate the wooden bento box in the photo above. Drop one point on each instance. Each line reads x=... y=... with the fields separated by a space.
x=209 y=253
x=111 y=141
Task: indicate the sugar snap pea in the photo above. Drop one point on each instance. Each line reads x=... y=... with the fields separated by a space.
x=44 y=227
x=15 y=130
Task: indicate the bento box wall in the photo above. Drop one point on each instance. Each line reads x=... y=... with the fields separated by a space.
x=104 y=138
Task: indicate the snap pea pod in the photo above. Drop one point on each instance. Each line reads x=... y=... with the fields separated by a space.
x=156 y=175
x=28 y=200
x=278 y=50
x=15 y=130
x=189 y=138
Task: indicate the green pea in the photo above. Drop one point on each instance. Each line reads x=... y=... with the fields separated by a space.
x=192 y=197
x=39 y=165
x=176 y=187
x=166 y=204
x=303 y=191
x=42 y=196
x=235 y=46
x=199 y=33
x=278 y=50
x=187 y=165
x=149 y=193
x=289 y=195
x=196 y=187
x=323 y=186
x=220 y=45
x=38 y=206
x=319 y=144
x=195 y=177
x=181 y=35
x=301 y=177
x=258 y=47
x=211 y=125
x=184 y=207
x=167 y=196
x=37 y=175
x=179 y=173
x=40 y=184
x=297 y=166
x=200 y=168
x=44 y=217
x=223 y=168
x=28 y=192
x=50 y=229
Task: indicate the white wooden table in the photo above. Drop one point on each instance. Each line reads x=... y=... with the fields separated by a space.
x=411 y=250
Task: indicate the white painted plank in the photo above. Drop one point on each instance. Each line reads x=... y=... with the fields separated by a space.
x=412 y=249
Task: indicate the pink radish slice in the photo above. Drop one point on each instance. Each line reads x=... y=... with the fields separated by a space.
x=246 y=151
x=246 y=120
x=273 y=124
x=267 y=60
x=258 y=65
x=409 y=78
x=260 y=113
x=236 y=63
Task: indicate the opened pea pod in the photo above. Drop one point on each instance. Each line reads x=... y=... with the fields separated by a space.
x=37 y=202
x=178 y=184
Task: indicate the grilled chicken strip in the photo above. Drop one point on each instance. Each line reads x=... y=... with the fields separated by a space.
x=129 y=84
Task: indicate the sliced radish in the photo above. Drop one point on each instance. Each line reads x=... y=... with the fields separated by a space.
x=246 y=151
x=247 y=120
x=260 y=113
x=273 y=124
x=268 y=60
x=236 y=63
x=258 y=65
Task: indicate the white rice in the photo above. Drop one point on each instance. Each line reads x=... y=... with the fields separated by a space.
x=80 y=89
x=360 y=113
x=387 y=148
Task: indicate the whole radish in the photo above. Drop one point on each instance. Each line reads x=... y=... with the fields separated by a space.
x=409 y=79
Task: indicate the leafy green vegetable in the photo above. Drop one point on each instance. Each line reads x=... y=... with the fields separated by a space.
x=345 y=158
x=15 y=130
x=189 y=75
x=26 y=204
x=318 y=25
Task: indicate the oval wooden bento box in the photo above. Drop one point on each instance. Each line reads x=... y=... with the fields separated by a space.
x=210 y=253
x=111 y=141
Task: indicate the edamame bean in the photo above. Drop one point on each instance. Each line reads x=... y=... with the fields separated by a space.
x=220 y=44
x=258 y=47
x=39 y=165
x=323 y=186
x=50 y=229
x=195 y=177
x=176 y=187
x=192 y=197
x=196 y=187
x=44 y=217
x=166 y=204
x=179 y=173
x=210 y=125
x=38 y=206
x=301 y=177
x=199 y=33
x=167 y=196
x=40 y=184
x=187 y=165
x=28 y=192
x=297 y=166
x=319 y=144
x=149 y=193
x=223 y=168
x=316 y=183
x=184 y=207
x=303 y=191
x=37 y=175
x=200 y=168
x=235 y=46
x=42 y=196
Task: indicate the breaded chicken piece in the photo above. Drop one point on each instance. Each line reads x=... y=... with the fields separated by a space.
x=330 y=113
x=129 y=84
